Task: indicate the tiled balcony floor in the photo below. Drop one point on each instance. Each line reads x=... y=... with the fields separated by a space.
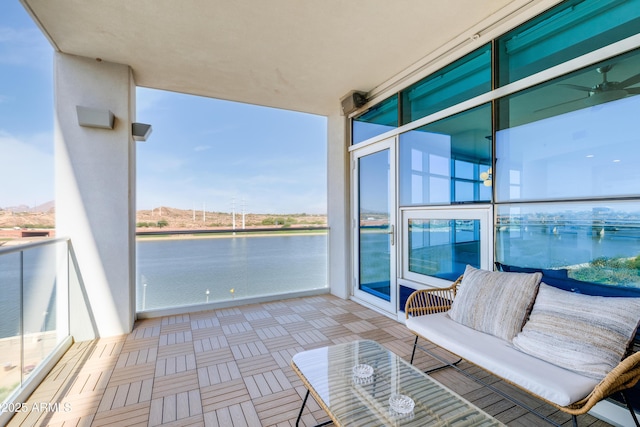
x=230 y=367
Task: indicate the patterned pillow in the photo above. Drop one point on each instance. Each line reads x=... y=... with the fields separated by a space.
x=583 y=333
x=494 y=302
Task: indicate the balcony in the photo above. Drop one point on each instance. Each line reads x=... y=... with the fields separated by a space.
x=230 y=367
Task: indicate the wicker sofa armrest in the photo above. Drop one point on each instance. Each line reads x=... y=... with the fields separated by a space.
x=622 y=377
x=430 y=301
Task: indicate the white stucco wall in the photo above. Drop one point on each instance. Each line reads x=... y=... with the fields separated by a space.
x=338 y=184
x=95 y=192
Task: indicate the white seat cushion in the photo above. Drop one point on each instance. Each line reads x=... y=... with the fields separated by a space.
x=544 y=379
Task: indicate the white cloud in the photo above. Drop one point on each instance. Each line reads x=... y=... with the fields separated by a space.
x=27 y=172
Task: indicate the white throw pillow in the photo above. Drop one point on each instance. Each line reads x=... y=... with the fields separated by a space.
x=494 y=302
x=586 y=334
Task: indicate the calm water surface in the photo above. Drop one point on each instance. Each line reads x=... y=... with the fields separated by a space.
x=177 y=272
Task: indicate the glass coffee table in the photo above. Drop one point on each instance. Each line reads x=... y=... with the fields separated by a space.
x=361 y=383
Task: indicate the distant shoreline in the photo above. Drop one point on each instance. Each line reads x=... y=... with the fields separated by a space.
x=225 y=234
x=11 y=236
x=20 y=225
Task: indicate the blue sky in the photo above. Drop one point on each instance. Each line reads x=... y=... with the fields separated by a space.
x=209 y=151
x=26 y=117
x=202 y=151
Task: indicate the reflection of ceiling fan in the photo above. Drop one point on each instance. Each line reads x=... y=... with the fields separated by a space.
x=608 y=91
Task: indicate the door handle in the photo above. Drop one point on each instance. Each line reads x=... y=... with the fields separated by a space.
x=392 y=234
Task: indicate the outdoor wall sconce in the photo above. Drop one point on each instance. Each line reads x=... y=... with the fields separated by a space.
x=95 y=117
x=352 y=101
x=140 y=131
x=104 y=119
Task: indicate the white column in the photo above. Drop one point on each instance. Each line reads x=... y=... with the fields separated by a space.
x=338 y=193
x=95 y=193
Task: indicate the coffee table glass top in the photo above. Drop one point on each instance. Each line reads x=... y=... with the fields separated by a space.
x=361 y=396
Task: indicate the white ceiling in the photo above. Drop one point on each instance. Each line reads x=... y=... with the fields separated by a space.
x=300 y=55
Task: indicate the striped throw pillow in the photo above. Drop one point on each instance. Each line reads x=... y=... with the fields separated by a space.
x=494 y=302
x=583 y=333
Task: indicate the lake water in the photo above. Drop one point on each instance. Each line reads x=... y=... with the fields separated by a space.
x=38 y=290
x=176 y=272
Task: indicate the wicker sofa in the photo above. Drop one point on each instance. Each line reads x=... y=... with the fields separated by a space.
x=570 y=350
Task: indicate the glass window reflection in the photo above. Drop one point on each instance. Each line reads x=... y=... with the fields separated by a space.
x=441 y=163
x=588 y=242
x=569 y=30
x=375 y=239
x=442 y=248
x=562 y=140
x=465 y=78
x=377 y=120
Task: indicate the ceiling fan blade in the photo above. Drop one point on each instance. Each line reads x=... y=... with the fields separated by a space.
x=630 y=81
x=633 y=90
x=584 y=88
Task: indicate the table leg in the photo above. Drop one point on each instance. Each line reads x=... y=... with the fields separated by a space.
x=304 y=402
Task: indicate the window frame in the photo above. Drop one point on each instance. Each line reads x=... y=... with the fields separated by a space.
x=483 y=213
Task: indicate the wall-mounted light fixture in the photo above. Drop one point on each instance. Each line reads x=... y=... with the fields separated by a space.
x=352 y=101
x=95 y=117
x=140 y=131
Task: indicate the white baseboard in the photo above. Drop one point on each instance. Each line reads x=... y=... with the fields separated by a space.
x=185 y=309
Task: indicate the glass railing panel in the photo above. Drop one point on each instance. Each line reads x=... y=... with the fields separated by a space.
x=182 y=270
x=10 y=330
x=39 y=306
x=33 y=309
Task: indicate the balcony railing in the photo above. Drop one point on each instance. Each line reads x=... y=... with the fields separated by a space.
x=34 y=313
x=178 y=271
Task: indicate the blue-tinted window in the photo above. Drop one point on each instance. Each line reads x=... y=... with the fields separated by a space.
x=377 y=120
x=570 y=139
x=374 y=230
x=567 y=31
x=467 y=77
x=594 y=242
x=442 y=163
x=442 y=248
x=465 y=170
